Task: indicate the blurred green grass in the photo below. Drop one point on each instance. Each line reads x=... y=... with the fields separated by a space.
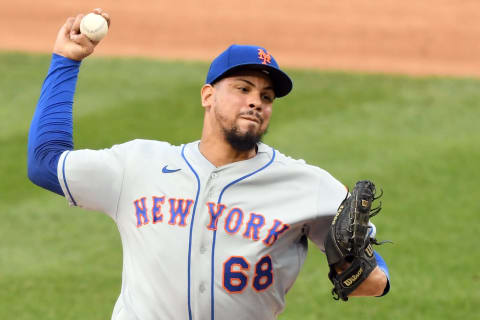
x=415 y=137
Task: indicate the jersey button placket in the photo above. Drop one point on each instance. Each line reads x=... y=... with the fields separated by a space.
x=210 y=195
x=212 y=183
x=202 y=246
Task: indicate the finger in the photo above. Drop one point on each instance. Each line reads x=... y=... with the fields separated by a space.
x=76 y=26
x=87 y=46
x=103 y=14
x=82 y=40
x=107 y=17
x=69 y=22
x=66 y=27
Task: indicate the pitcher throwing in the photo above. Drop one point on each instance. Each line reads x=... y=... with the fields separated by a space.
x=211 y=229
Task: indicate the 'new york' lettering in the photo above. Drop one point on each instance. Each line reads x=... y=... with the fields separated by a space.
x=175 y=212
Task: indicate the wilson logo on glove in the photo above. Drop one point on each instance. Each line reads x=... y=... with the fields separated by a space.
x=353 y=278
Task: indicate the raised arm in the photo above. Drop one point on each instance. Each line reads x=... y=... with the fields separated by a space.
x=51 y=128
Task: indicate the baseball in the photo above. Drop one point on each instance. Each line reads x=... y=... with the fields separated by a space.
x=94 y=26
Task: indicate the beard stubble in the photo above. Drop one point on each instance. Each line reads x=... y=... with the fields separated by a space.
x=242 y=141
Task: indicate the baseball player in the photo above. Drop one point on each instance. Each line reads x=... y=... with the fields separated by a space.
x=212 y=229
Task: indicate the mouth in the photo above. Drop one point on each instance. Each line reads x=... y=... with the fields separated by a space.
x=254 y=118
x=251 y=119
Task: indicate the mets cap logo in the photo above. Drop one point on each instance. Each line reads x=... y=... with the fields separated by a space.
x=265 y=56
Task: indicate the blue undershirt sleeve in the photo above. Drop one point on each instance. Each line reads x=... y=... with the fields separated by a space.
x=383 y=266
x=51 y=130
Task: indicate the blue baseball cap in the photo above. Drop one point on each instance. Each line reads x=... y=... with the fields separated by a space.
x=238 y=57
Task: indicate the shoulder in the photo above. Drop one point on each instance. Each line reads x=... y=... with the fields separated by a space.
x=135 y=151
x=300 y=170
x=300 y=165
x=144 y=145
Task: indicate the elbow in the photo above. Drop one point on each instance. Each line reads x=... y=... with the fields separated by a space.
x=43 y=173
x=32 y=169
x=33 y=164
x=34 y=172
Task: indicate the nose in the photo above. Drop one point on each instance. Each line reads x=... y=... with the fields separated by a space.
x=255 y=101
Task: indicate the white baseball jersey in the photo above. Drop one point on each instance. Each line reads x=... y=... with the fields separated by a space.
x=201 y=242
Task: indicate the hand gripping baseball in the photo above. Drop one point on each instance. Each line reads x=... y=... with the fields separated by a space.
x=70 y=43
x=348 y=246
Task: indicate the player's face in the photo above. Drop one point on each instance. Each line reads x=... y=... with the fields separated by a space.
x=241 y=107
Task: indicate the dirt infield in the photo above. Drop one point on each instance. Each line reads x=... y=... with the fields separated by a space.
x=412 y=37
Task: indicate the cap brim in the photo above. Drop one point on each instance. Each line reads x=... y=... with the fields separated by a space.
x=282 y=84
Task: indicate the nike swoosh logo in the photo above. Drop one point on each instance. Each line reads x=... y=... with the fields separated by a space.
x=166 y=170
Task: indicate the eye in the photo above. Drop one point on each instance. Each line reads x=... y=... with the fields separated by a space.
x=267 y=97
x=243 y=89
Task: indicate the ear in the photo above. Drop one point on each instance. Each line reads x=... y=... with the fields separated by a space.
x=207 y=95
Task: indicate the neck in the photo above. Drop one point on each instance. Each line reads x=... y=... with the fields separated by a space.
x=219 y=152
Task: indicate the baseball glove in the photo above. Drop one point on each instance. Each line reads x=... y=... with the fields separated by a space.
x=348 y=245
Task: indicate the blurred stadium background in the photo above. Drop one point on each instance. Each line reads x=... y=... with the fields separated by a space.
x=415 y=37
x=401 y=77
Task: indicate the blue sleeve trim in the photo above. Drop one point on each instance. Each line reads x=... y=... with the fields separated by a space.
x=51 y=130
x=65 y=179
x=383 y=266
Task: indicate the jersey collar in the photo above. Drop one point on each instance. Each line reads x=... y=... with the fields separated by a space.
x=193 y=153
